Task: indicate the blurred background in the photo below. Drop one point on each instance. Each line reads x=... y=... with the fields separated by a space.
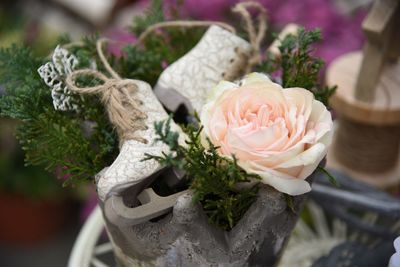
x=40 y=220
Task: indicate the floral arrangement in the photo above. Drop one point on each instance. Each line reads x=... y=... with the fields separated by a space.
x=251 y=131
x=272 y=127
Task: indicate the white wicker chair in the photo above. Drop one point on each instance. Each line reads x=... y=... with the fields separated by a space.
x=86 y=249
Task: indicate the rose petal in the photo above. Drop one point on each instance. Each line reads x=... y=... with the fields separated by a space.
x=260 y=138
x=255 y=77
x=305 y=158
x=290 y=186
x=217 y=126
x=219 y=89
x=270 y=159
x=302 y=99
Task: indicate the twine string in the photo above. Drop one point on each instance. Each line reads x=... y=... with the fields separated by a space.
x=182 y=24
x=256 y=34
x=99 y=48
x=117 y=95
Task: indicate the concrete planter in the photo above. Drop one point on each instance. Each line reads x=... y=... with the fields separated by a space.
x=183 y=237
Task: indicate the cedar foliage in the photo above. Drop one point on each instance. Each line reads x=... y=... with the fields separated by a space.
x=296 y=66
x=213 y=178
x=58 y=141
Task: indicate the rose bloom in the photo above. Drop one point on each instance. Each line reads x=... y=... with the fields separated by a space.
x=279 y=134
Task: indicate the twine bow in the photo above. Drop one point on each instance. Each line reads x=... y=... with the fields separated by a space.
x=117 y=95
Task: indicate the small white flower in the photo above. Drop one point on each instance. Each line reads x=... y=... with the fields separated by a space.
x=54 y=73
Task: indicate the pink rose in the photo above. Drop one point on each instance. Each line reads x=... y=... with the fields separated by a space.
x=279 y=134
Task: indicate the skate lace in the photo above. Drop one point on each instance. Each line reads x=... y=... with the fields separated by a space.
x=118 y=96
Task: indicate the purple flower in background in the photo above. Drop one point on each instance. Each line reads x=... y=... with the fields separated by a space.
x=202 y=9
x=342 y=32
x=120 y=39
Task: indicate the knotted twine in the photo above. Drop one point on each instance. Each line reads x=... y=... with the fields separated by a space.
x=122 y=108
x=256 y=34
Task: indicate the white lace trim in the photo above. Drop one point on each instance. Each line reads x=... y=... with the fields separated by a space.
x=54 y=73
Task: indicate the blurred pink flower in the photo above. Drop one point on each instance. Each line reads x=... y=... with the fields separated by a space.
x=342 y=33
x=60 y=175
x=120 y=38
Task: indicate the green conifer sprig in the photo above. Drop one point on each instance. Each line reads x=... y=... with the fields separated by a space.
x=168 y=44
x=152 y=15
x=58 y=141
x=213 y=178
x=296 y=64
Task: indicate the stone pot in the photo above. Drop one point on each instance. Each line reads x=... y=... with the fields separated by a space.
x=183 y=236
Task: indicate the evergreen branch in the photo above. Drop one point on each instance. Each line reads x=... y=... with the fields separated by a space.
x=299 y=68
x=330 y=177
x=140 y=64
x=52 y=139
x=296 y=66
x=153 y=15
x=290 y=202
x=214 y=178
x=162 y=47
x=324 y=94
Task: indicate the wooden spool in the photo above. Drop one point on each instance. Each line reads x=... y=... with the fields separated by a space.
x=367 y=101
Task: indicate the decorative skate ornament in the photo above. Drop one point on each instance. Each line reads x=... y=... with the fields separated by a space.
x=54 y=73
x=132 y=108
x=219 y=55
x=287 y=136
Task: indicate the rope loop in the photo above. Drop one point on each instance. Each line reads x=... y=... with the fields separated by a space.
x=117 y=95
x=182 y=24
x=256 y=33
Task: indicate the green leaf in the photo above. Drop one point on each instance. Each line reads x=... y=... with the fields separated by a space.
x=53 y=139
x=290 y=202
x=296 y=66
x=330 y=177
